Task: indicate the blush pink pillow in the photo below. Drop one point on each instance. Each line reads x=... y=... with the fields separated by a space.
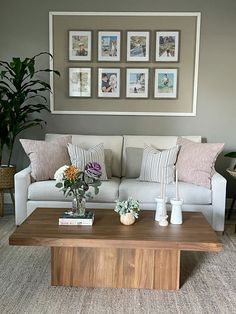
x=46 y=157
x=196 y=161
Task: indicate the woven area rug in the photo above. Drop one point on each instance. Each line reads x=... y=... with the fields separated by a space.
x=208 y=284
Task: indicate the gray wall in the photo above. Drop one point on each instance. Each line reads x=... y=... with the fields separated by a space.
x=24 y=32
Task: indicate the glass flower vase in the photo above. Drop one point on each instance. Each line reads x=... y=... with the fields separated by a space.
x=79 y=206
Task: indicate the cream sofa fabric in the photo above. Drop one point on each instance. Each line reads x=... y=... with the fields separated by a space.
x=47 y=191
x=146 y=192
x=211 y=202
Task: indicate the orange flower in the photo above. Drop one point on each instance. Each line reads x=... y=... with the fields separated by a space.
x=71 y=172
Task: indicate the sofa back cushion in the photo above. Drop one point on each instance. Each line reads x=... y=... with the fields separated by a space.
x=111 y=143
x=158 y=165
x=134 y=157
x=139 y=141
x=80 y=157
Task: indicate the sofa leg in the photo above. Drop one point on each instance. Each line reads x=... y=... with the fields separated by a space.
x=231 y=207
x=220 y=233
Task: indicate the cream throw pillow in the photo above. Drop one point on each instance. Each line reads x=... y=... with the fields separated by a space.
x=80 y=157
x=46 y=157
x=196 y=161
x=158 y=164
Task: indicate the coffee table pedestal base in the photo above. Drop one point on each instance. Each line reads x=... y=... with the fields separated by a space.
x=115 y=267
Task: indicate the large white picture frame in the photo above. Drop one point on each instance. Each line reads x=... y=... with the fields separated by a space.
x=58 y=104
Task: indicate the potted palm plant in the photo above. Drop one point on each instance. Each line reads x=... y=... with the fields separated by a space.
x=21 y=96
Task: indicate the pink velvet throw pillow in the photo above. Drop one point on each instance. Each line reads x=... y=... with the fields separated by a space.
x=196 y=161
x=46 y=157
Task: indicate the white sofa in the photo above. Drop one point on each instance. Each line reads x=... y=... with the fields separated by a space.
x=211 y=203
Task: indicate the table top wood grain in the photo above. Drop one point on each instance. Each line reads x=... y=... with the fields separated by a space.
x=42 y=228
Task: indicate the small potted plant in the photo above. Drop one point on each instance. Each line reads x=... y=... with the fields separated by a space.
x=128 y=210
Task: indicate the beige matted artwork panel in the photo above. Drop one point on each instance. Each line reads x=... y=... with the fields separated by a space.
x=77 y=40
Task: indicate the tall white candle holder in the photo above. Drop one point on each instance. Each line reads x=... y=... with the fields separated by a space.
x=160 y=207
x=176 y=211
x=161 y=213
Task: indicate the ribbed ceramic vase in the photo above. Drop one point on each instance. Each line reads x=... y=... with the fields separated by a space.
x=176 y=211
x=127 y=219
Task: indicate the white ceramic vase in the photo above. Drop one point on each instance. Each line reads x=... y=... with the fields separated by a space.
x=160 y=208
x=176 y=211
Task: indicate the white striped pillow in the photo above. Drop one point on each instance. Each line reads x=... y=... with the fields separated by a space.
x=156 y=163
x=80 y=157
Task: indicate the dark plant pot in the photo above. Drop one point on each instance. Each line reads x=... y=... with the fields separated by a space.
x=7 y=176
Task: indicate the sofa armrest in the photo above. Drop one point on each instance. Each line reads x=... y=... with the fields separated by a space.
x=218 y=201
x=22 y=182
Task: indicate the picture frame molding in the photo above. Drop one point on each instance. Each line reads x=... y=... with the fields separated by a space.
x=191 y=113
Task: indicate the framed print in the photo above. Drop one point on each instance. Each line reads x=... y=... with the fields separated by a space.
x=167 y=46
x=108 y=46
x=165 y=83
x=109 y=82
x=138 y=46
x=80 y=45
x=137 y=83
x=80 y=82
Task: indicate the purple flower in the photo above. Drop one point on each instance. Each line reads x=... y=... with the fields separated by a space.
x=93 y=170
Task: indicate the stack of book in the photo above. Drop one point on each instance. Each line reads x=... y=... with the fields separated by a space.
x=69 y=218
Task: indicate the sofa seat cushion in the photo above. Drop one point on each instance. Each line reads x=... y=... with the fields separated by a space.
x=46 y=191
x=146 y=192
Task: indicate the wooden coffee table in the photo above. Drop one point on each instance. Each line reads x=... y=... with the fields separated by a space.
x=109 y=254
